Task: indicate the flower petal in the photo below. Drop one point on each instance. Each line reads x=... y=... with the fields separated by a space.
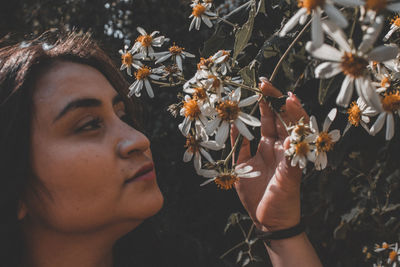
x=187 y=156
x=222 y=133
x=371 y=34
x=317 y=35
x=248 y=101
x=336 y=16
x=243 y=129
x=324 y=52
x=335 y=135
x=249 y=120
x=292 y=22
x=378 y=125
x=389 y=126
x=346 y=92
x=329 y=119
x=327 y=70
x=383 y=53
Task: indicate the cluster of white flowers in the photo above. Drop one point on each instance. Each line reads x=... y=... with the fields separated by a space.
x=386 y=254
x=367 y=69
x=212 y=101
x=307 y=143
x=143 y=50
x=211 y=107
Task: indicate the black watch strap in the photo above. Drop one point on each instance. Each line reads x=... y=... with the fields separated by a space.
x=281 y=234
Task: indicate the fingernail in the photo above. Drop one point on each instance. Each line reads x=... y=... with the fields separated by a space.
x=265 y=80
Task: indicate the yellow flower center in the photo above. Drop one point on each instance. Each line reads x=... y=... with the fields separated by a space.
x=392 y=256
x=192 y=144
x=376 y=5
x=176 y=50
x=145 y=40
x=353 y=65
x=391 y=102
x=301 y=130
x=302 y=148
x=127 y=59
x=354 y=114
x=396 y=21
x=216 y=82
x=142 y=73
x=225 y=53
x=200 y=93
x=385 y=82
x=228 y=110
x=205 y=63
x=198 y=10
x=385 y=245
x=226 y=181
x=310 y=4
x=192 y=109
x=324 y=142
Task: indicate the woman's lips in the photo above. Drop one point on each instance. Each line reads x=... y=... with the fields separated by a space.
x=146 y=172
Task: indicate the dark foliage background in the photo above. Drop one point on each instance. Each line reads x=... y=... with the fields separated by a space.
x=353 y=204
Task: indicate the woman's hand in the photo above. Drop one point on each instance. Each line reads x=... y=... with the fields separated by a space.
x=272 y=199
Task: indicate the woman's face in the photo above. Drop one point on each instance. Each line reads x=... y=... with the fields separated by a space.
x=97 y=169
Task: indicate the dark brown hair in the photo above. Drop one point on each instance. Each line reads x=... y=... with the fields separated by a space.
x=20 y=65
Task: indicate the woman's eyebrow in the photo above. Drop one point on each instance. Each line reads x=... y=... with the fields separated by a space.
x=84 y=103
x=78 y=103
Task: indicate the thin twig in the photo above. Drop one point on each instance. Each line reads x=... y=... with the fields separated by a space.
x=232 y=249
x=277 y=67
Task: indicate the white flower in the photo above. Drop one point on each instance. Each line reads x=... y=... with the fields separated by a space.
x=142 y=76
x=195 y=146
x=145 y=42
x=222 y=57
x=129 y=60
x=315 y=8
x=325 y=140
x=371 y=8
x=358 y=114
x=393 y=28
x=379 y=248
x=226 y=179
x=192 y=110
x=174 y=51
x=301 y=150
x=299 y=131
x=390 y=106
x=228 y=111
x=200 y=11
x=394 y=256
x=353 y=63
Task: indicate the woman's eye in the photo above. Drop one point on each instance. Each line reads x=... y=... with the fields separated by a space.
x=91 y=125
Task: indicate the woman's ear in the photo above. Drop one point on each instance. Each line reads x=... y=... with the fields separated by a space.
x=22 y=210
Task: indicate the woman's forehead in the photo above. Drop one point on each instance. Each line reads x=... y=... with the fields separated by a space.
x=66 y=80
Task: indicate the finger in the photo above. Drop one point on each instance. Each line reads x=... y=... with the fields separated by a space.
x=244 y=151
x=269 y=90
x=295 y=110
x=268 y=128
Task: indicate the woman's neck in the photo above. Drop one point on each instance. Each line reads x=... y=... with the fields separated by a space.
x=47 y=248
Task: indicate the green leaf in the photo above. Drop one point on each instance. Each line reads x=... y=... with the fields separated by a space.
x=248 y=75
x=261 y=7
x=243 y=35
x=327 y=87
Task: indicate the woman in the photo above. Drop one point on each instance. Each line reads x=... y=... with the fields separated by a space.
x=78 y=174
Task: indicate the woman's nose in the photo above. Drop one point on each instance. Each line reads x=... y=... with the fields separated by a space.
x=132 y=144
